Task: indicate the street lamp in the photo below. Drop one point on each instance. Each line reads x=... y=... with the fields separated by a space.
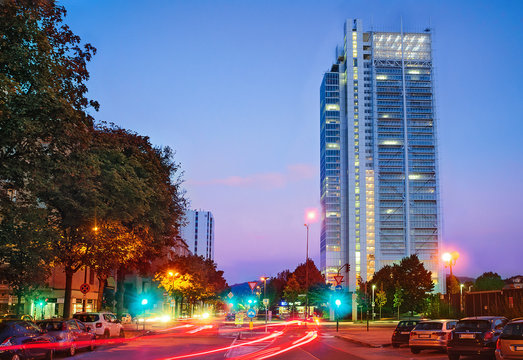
x=265 y=302
x=461 y=297
x=310 y=217
x=173 y=275
x=338 y=303
x=450 y=261
x=373 y=287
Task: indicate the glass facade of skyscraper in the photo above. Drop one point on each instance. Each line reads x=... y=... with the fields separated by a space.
x=382 y=204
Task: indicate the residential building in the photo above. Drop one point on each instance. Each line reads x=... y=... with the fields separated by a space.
x=378 y=155
x=198 y=233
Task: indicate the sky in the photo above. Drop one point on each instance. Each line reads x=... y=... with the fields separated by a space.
x=233 y=88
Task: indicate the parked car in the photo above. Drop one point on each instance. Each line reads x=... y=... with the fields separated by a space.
x=432 y=334
x=24 y=317
x=401 y=334
x=18 y=332
x=229 y=317
x=510 y=342
x=475 y=336
x=104 y=324
x=69 y=335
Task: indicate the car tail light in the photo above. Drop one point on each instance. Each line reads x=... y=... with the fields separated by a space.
x=488 y=336
x=449 y=336
x=412 y=334
x=498 y=344
x=7 y=342
x=98 y=325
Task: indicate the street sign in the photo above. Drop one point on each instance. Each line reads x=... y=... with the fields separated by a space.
x=230 y=295
x=251 y=313
x=266 y=302
x=84 y=288
x=338 y=288
x=252 y=285
x=338 y=279
x=238 y=319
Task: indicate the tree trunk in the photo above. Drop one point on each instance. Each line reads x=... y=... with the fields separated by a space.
x=120 y=277
x=69 y=272
x=101 y=287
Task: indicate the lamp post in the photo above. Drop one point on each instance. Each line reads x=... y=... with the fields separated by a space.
x=338 y=303
x=173 y=275
x=311 y=216
x=461 y=297
x=373 y=287
x=450 y=261
x=264 y=279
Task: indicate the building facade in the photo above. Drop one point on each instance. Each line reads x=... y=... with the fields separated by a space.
x=378 y=155
x=198 y=233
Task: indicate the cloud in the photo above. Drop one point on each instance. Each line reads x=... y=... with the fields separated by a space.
x=293 y=173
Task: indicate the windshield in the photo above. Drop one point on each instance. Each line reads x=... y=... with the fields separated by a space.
x=51 y=325
x=429 y=326
x=403 y=324
x=473 y=325
x=86 y=317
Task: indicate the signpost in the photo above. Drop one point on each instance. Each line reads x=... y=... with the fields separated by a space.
x=84 y=289
x=252 y=285
x=338 y=279
x=230 y=295
x=338 y=288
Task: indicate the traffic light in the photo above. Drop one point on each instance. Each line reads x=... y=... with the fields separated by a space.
x=338 y=302
x=41 y=301
x=144 y=301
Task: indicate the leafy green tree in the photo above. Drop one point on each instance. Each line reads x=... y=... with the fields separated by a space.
x=452 y=285
x=489 y=281
x=291 y=291
x=415 y=281
x=24 y=251
x=399 y=296
x=381 y=299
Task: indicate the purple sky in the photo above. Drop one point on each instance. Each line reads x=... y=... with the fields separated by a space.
x=233 y=88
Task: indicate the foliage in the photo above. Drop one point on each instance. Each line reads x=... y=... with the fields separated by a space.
x=452 y=285
x=399 y=296
x=197 y=279
x=291 y=291
x=381 y=299
x=314 y=276
x=489 y=281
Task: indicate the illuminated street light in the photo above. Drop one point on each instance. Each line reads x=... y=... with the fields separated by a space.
x=373 y=287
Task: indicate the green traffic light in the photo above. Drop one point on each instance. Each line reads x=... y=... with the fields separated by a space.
x=338 y=302
x=144 y=301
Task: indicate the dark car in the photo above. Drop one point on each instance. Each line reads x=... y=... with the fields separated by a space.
x=475 y=336
x=24 y=340
x=69 y=335
x=401 y=334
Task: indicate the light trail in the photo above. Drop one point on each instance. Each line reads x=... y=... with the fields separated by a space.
x=200 y=329
x=265 y=338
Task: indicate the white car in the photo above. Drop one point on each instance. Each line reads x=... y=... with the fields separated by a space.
x=104 y=324
x=431 y=334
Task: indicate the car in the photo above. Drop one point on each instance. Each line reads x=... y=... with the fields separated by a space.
x=22 y=333
x=510 y=342
x=475 y=336
x=401 y=334
x=104 y=324
x=230 y=317
x=431 y=334
x=24 y=317
x=69 y=335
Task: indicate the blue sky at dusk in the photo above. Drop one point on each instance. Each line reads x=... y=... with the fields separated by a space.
x=233 y=88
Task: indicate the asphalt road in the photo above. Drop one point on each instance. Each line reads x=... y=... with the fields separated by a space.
x=285 y=346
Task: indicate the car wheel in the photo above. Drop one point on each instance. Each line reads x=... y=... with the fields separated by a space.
x=394 y=345
x=453 y=356
x=415 y=350
x=107 y=335
x=122 y=334
x=72 y=350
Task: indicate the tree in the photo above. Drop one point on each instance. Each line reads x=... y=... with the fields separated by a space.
x=398 y=298
x=315 y=276
x=452 y=285
x=291 y=292
x=489 y=281
x=415 y=281
x=24 y=251
x=384 y=280
x=381 y=299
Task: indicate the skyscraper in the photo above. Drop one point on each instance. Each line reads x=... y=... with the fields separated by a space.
x=198 y=233
x=378 y=152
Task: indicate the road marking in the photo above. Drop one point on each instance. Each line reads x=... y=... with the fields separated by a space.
x=305 y=351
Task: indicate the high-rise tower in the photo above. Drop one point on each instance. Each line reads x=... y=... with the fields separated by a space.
x=198 y=233
x=379 y=164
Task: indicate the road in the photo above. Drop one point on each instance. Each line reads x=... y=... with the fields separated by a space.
x=289 y=343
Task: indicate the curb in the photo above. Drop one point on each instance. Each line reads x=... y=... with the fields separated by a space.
x=360 y=342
